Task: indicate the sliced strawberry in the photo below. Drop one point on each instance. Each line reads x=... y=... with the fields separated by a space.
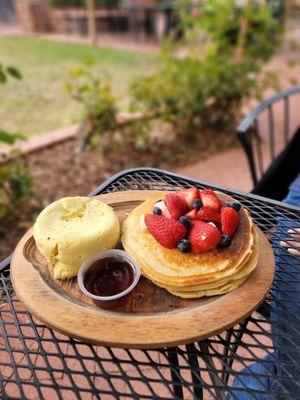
x=230 y=220
x=209 y=199
x=192 y=214
x=203 y=237
x=164 y=209
x=189 y=195
x=207 y=214
x=176 y=205
x=167 y=232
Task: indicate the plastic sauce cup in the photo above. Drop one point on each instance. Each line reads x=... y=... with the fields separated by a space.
x=90 y=265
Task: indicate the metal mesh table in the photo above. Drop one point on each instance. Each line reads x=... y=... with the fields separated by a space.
x=39 y=363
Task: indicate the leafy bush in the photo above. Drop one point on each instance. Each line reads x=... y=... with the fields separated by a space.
x=15 y=186
x=94 y=93
x=200 y=86
x=205 y=77
x=6 y=71
x=15 y=182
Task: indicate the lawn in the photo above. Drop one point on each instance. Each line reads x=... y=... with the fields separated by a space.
x=38 y=104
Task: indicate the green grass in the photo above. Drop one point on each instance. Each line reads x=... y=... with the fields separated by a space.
x=38 y=104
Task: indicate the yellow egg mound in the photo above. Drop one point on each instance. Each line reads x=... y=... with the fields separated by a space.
x=72 y=229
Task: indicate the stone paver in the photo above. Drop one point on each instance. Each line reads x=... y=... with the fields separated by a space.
x=228 y=169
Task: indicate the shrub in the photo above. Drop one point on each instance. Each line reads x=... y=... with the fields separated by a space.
x=15 y=186
x=15 y=182
x=200 y=85
x=93 y=91
x=213 y=69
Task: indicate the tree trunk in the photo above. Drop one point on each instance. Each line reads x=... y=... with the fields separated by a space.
x=91 y=21
x=244 y=24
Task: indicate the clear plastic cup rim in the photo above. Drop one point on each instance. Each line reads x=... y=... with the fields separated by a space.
x=114 y=253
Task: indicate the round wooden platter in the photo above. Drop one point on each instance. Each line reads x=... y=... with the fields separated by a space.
x=151 y=317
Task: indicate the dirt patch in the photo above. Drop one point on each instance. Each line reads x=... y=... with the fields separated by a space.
x=61 y=170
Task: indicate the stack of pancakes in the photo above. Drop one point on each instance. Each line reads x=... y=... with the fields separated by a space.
x=189 y=275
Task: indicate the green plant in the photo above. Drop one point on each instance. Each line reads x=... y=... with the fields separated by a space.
x=207 y=75
x=200 y=84
x=15 y=186
x=93 y=91
x=6 y=71
x=15 y=182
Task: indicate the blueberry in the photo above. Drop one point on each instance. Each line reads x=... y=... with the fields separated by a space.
x=225 y=241
x=184 y=245
x=157 y=211
x=234 y=205
x=197 y=204
x=185 y=221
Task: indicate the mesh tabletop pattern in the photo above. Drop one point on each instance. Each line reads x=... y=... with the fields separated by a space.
x=39 y=363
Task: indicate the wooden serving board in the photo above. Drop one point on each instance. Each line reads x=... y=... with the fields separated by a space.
x=151 y=317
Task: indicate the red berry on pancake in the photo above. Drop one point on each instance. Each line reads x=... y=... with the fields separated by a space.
x=192 y=214
x=207 y=214
x=189 y=195
x=164 y=209
x=230 y=220
x=209 y=199
x=167 y=232
x=203 y=237
x=176 y=205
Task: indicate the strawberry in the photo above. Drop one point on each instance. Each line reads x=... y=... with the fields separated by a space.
x=209 y=199
x=230 y=220
x=167 y=232
x=192 y=214
x=164 y=209
x=176 y=205
x=203 y=237
x=189 y=195
x=207 y=214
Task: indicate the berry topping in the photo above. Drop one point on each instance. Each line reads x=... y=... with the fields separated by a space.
x=157 y=211
x=197 y=204
x=225 y=241
x=184 y=245
x=185 y=221
x=235 y=205
x=209 y=199
x=203 y=237
x=230 y=220
x=207 y=214
x=192 y=214
x=176 y=205
x=189 y=195
x=167 y=232
x=164 y=209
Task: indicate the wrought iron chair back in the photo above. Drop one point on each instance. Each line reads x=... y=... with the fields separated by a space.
x=267 y=129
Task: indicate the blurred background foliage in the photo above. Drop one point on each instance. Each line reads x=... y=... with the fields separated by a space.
x=15 y=182
x=204 y=77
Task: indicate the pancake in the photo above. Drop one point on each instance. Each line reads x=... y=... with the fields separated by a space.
x=191 y=275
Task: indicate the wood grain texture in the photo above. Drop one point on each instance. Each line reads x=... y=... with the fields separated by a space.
x=150 y=317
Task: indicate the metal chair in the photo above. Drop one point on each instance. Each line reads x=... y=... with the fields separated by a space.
x=267 y=130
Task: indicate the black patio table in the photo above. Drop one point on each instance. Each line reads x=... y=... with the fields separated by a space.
x=39 y=363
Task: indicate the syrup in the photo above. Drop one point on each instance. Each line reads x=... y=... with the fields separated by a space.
x=108 y=276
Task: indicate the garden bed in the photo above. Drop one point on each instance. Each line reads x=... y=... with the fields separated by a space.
x=60 y=170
